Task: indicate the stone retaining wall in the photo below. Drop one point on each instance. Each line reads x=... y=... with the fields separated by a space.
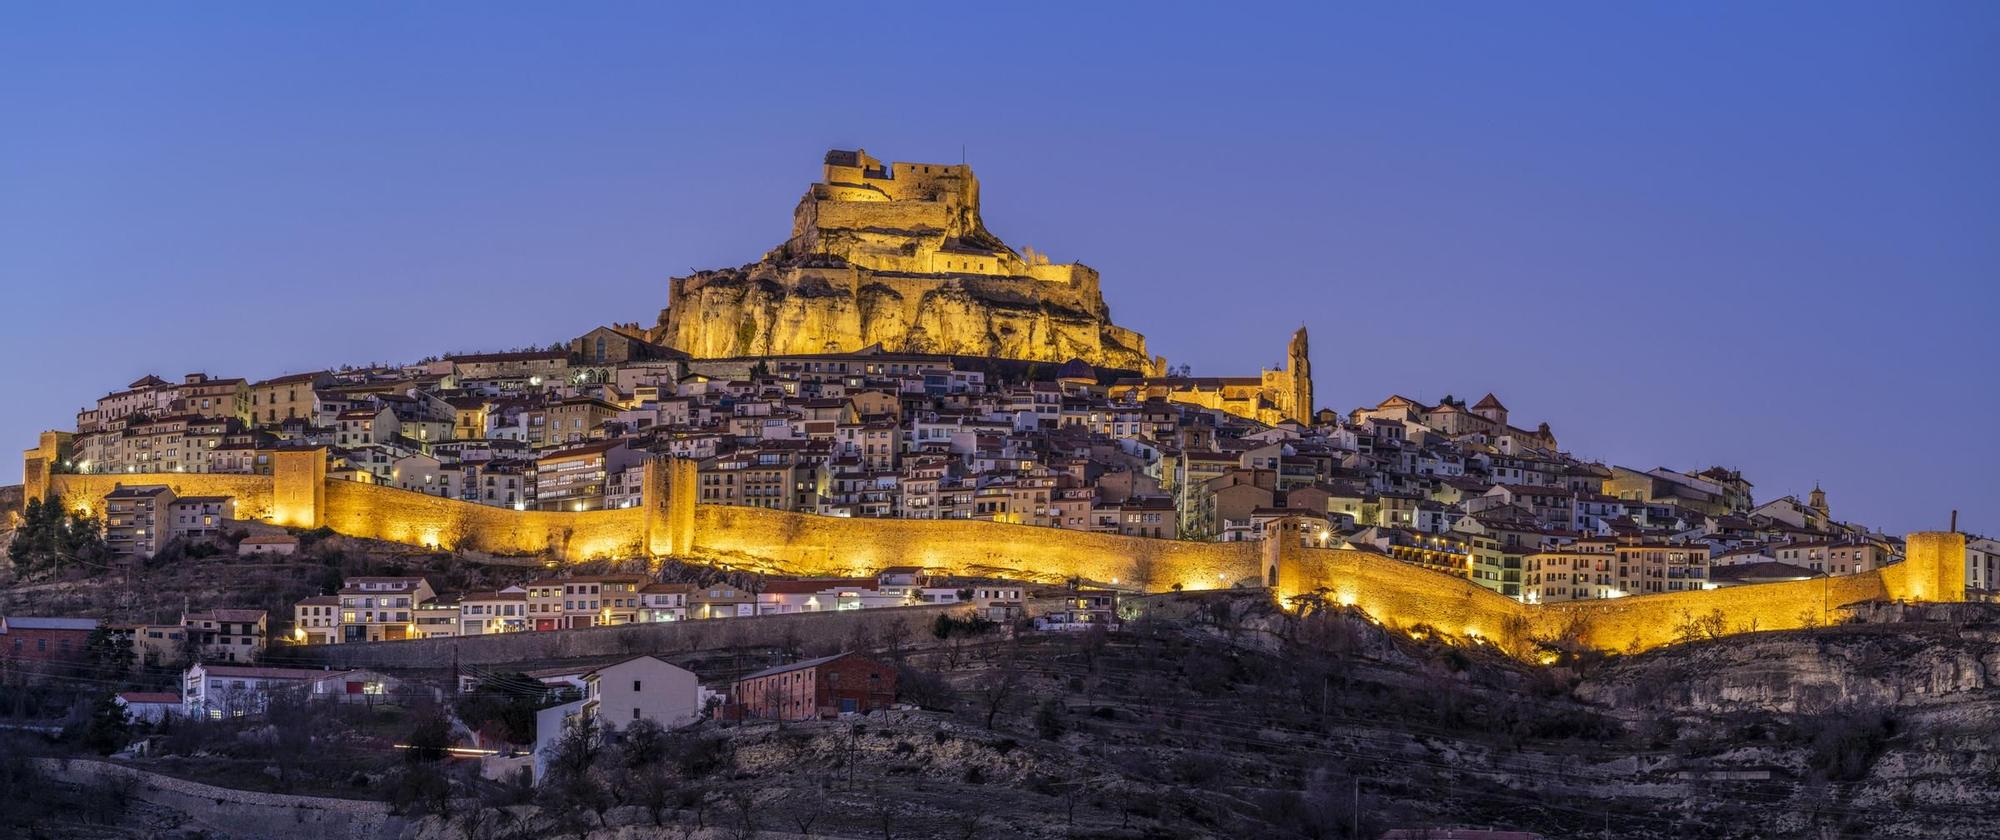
x=236 y=812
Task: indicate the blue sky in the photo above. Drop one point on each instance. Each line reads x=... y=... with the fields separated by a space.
x=1757 y=235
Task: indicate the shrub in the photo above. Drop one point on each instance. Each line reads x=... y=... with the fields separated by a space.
x=1048 y=719
x=1845 y=746
x=1197 y=768
x=924 y=688
x=700 y=755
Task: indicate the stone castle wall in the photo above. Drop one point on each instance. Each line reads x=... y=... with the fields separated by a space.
x=668 y=522
x=829 y=545
x=85 y=493
x=388 y=513
x=919 y=273
x=1403 y=595
x=237 y=812
x=299 y=494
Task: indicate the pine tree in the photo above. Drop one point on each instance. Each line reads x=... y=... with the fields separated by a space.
x=106 y=732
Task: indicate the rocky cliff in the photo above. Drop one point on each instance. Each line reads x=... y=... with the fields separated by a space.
x=898 y=256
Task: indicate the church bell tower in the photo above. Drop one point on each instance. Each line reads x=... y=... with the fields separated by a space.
x=1298 y=363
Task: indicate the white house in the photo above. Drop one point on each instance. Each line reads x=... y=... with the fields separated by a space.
x=640 y=688
x=149 y=706
x=353 y=686
x=500 y=611
x=664 y=601
x=219 y=691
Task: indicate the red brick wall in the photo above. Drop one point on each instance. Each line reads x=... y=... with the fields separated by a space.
x=869 y=684
x=815 y=692
x=783 y=696
x=43 y=645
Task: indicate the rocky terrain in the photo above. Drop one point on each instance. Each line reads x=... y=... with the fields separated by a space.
x=1214 y=715
x=897 y=255
x=775 y=308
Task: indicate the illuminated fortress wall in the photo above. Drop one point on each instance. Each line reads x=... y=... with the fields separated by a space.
x=1402 y=595
x=388 y=513
x=668 y=522
x=86 y=492
x=807 y=544
x=299 y=494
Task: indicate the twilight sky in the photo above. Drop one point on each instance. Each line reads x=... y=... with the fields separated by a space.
x=1759 y=235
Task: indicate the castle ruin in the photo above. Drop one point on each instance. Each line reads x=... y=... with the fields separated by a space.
x=897 y=255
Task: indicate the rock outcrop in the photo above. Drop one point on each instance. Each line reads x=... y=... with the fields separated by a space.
x=897 y=256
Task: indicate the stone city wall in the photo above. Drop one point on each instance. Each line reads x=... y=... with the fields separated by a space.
x=830 y=545
x=1402 y=595
x=389 y=513
x=86 y=492
x=668 y=522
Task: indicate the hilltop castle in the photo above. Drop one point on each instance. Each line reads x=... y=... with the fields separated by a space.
x=897 y=255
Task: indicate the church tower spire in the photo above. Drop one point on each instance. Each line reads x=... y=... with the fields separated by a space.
x=1817 y=501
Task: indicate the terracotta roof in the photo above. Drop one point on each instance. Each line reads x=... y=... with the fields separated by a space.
x=807 y=587
x=265 y=673
x=291 y=379
x=1762 y=571
x=809 y=663
x=507 y=357
x=232 y=615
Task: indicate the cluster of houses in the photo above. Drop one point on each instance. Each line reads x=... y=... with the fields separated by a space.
x=216 y=685
x=373 y=609
x=1450 y=485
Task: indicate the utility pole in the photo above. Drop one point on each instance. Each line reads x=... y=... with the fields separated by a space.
x=1357 y=808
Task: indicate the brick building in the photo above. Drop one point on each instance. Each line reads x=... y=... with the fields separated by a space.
x=816 y=688
x=44 y=639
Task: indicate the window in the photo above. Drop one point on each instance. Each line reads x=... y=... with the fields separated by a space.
x=635 y=685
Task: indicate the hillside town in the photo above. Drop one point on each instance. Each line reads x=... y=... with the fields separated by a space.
x=1453 y=486
x=178 y=597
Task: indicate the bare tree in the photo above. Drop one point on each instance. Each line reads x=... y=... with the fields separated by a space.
x=885 y=816
x=653 y=789
x=746 y=814
x=811 y=804
x=999 y=691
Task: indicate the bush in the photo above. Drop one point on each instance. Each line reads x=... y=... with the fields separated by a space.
x=430 y=738
x=1197 y=768
x=506 y=703
x=420 y=789
x=645 y=743
x=700 y=755
x=946 y=626
x=1048 y=719
x=1845 y=746
x=924 y=688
